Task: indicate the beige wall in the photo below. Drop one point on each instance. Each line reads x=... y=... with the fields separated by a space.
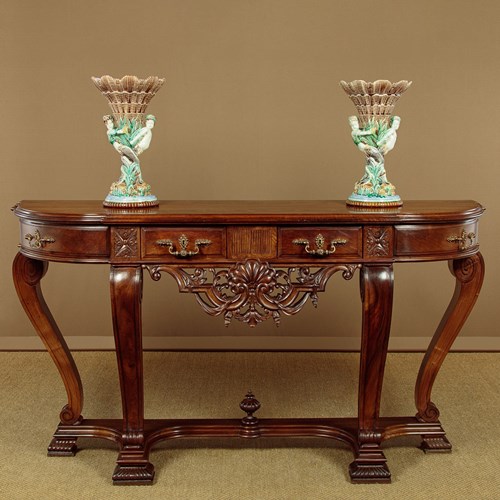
x=251 y=109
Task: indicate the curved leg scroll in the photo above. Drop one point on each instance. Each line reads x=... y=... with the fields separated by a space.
x=469 y=273
x=27 y=274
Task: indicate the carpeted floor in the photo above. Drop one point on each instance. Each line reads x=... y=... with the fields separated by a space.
x=467 y=391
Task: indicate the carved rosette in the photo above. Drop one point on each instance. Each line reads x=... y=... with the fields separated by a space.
x=378 y=241
x=253 y=291
x=125 y=242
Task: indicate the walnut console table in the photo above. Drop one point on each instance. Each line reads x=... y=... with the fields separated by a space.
x=249 y=261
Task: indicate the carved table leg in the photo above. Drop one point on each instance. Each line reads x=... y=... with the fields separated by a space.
x=376 y=283
x=27 y=274
x=469 y=273
x=133 y=466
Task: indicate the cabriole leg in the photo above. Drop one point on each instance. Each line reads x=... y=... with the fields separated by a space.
x=27 y=275
x=469 y=274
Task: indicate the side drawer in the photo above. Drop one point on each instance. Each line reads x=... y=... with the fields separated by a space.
x=320 y=242
x=440 y=240
x=178 y=243
x=66 y=242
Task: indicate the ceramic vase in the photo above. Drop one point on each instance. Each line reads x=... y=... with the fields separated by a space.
x=129 y=129
x=374 y=132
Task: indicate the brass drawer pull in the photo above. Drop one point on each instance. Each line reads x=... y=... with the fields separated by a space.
x=36 y=240
x=465 y=240
x=183 y=244
x=320 y=242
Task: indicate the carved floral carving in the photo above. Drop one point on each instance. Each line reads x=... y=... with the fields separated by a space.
x=125 y=242
x=253 y=291
x=377 y=241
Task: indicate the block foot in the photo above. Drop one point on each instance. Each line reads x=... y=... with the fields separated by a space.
x=435 y=444
x=370 y=466
x=60 y=447
x=134 y=474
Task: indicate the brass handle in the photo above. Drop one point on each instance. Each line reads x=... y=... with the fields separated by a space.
x=183 y=244
x=36 y=240
x=320 y=243
x=465 y=240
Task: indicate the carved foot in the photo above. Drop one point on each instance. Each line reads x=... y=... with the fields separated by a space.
x=435 y=444
x=134 y=474
x=62 y=447
x=370 y=466
x=133 y=466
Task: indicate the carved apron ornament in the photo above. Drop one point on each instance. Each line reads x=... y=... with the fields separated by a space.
x=253 y=291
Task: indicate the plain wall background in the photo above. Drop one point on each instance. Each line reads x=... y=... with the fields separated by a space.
x=251 y=109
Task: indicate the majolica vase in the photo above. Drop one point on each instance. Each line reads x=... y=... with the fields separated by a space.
x=129 y=130
x=374 y=132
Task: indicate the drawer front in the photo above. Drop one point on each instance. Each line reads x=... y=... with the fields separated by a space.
x=177 y=244
x=442 y=239
x=320 y=242
x=66 y=242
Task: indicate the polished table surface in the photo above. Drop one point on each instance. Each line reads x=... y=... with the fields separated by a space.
x=249 y=261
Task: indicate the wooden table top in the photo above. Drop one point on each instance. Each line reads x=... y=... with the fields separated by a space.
x=246 y=211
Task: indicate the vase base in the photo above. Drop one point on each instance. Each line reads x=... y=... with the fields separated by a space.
x=356 y=200
x=130 y=201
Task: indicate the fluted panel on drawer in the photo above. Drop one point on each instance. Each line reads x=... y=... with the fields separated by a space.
x=256 y=241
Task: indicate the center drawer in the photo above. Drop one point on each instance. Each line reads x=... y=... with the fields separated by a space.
x=175 y=244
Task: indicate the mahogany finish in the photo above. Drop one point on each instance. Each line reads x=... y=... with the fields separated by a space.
x=249 y=261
